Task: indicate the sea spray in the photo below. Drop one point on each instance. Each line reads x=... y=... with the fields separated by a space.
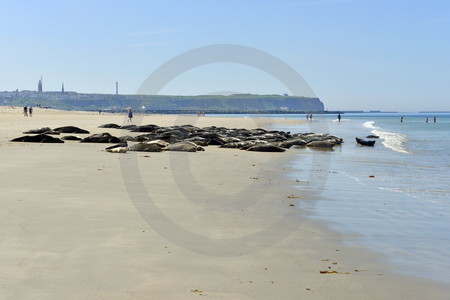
x=392 y=140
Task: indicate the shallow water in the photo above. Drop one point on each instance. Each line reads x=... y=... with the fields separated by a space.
x=394 y=197
x=404 y=209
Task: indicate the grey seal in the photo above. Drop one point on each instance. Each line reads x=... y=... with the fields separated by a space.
x=40 y=138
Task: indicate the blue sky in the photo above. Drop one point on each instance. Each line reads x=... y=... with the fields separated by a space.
x=355 y=54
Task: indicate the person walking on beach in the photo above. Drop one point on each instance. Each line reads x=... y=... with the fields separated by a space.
x=30 y=111
x=25 y=111
x=339 y=117
x=130 y=115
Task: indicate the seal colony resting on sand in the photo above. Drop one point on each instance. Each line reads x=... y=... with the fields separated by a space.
x=189 y=138
x=42 y=135
x=56 y=131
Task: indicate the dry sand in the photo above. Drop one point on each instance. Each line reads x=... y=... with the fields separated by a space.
x=77 y=222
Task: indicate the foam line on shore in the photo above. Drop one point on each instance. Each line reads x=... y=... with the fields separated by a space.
x=392 y=140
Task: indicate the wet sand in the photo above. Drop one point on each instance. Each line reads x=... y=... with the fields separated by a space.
x=77 y=222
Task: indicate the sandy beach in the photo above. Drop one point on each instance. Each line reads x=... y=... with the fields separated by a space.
x=77 y=222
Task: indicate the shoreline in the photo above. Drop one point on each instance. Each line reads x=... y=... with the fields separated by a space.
x=387 y=212
x=69 y=224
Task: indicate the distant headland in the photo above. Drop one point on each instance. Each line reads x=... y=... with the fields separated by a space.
x=236 y=103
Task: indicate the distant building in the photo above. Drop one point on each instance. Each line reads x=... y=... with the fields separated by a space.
x=62 y=88
x=117 y=88
x=40 y=85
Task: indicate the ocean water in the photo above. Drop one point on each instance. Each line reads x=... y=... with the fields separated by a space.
x=394 y=197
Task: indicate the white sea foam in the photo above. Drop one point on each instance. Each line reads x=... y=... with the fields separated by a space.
x=392 y=140
x=370 y=124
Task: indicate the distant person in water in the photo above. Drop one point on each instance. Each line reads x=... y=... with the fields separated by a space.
x=30 y=111
x=401 y=119
x=434 y=120
x=130 y=115
x=310 y=117
x=25 y=111
x=426 y=120
x=339 y=117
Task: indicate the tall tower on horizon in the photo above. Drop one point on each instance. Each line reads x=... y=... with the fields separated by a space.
x=117 y=88
x=40 y=85
x=62 y=88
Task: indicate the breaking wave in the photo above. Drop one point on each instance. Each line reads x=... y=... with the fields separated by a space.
x=392 y=140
